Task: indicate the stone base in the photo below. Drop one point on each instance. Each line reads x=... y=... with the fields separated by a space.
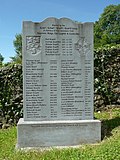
x=57 y=133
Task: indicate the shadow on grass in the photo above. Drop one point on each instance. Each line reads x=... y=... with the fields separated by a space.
x=108 y=125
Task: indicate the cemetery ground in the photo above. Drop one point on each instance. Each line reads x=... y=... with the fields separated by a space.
x=107 y=149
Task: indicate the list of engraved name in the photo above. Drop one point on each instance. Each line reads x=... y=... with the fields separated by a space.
x=64 y=84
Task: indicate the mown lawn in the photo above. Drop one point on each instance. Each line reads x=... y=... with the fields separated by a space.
x=108 y=149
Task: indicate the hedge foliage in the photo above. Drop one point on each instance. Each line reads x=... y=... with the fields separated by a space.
x=106 y=83
x=107 y=76
x=11 y=98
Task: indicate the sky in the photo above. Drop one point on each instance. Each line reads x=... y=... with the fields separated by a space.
x=14 y=12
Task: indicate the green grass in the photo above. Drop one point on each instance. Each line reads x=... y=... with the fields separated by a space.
x=108 y=149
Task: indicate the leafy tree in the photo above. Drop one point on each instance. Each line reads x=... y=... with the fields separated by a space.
x=1 y=60
x=18 y=48
x=107 y=28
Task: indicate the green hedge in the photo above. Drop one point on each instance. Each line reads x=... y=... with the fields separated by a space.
x=11 y=98
x=106 y=84
x=107 y=76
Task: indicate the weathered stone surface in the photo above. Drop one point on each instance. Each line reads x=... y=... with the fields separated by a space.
x=58 y=70
x=58 y=133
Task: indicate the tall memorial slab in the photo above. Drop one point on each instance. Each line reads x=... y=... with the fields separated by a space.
x=57 y=85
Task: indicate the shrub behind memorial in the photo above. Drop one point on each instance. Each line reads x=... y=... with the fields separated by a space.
x=11 y=93
x=107 y=76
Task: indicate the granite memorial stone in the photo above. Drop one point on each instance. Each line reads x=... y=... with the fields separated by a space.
x=57 y=85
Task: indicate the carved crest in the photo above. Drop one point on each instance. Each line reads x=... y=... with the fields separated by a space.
x=82 y=46
x=33 y=44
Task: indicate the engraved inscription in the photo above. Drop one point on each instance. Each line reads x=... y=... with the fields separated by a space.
x=58 y=82
x=59 y=125
x=35 y=102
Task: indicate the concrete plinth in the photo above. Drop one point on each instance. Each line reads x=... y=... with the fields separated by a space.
x=57 y=133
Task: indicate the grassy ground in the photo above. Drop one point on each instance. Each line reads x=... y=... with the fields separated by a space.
x=108 y=149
